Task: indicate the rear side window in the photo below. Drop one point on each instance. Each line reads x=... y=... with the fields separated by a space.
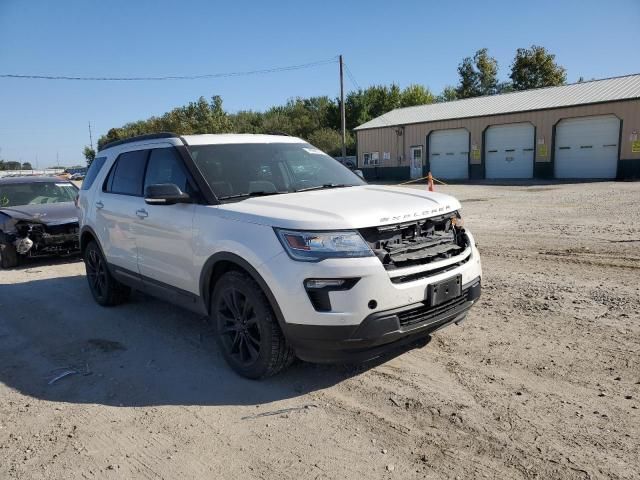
x=93 y=172
x=165 y=166
x=127 y=174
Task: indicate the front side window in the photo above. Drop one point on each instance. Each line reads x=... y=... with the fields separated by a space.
x=236 y=170
x=127 y=174
x=165 y=166
x=36 y=193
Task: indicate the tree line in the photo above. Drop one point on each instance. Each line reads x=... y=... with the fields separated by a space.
x=13 y=165
x=317 y=119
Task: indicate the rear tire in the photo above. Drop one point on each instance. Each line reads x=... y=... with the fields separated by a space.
x=8 y=256
x=247 y=331
x=106 y=290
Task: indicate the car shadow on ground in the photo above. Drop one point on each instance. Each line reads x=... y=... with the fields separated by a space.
x=145 y=352
x=27 y=263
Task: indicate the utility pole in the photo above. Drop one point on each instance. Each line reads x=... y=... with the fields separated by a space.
x=90 y=136
x=342 y=115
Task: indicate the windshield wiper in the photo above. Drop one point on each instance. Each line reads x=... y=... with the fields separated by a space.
x=325 y=186
x=251 y=194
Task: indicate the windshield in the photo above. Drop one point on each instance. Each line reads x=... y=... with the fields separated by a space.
x=36 y=193
x=242 y=170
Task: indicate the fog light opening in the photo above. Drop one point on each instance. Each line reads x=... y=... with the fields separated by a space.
x=316 y=283
x=373 y=304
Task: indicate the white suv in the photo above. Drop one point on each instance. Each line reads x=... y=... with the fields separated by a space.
x=287 y=251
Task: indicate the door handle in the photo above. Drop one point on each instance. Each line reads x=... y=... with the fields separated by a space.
x=99 y=204
x=142 y=213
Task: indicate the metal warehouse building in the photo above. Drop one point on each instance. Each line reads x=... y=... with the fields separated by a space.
x=582 y=130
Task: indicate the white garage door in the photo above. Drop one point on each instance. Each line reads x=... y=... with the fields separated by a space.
x=587 y=147
x=449 y=153
x=509 y=151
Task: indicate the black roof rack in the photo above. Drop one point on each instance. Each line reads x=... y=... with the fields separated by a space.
x=281 y=134
x=150 y=136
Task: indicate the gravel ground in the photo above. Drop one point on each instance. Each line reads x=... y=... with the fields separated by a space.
x=542 y=381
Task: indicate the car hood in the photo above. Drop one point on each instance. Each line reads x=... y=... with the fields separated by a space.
x=342 y=208
x=48 y=214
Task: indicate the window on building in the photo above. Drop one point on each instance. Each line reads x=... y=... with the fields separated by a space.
x=371 y=159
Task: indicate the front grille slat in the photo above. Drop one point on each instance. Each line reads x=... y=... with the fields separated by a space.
x=425 y=313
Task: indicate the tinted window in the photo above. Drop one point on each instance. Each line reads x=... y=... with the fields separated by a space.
x=93 y=172
x=127 y=174
x=165 y=166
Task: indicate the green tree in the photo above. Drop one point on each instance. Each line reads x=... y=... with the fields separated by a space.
x=12 y=165
x=330 y=141
x=416 y=95
x=89 y=154
x=534 y=68
x=27 y=166
x=478 y=75
x=448 y=94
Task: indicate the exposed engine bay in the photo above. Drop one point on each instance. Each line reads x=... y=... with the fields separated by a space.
x=35 y=239
x=419 y=242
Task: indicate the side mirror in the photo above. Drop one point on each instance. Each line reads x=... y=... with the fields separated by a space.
x=165 y=194
x=360 y=173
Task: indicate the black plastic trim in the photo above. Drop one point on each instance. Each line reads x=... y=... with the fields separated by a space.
x=150 y=136
x=207 y=270
x=204 y=188
x=319 y=297
x=158 y=289
x=378 y=333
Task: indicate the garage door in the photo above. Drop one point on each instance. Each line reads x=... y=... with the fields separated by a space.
x=449 y=153
x=587 y=147
x=509 y=151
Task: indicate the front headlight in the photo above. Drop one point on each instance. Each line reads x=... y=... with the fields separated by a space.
x=316 y=246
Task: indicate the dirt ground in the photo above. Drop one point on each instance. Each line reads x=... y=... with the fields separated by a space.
x=542 y=381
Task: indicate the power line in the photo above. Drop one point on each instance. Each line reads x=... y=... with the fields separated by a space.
x=350 y=75
x=172 y=77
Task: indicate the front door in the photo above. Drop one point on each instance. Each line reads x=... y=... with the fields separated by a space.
x=165 y=232
x=416 y=162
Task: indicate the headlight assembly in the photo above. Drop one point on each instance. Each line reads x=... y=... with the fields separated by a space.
x=310 y=246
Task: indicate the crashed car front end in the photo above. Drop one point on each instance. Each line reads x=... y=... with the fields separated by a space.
x=34 y=238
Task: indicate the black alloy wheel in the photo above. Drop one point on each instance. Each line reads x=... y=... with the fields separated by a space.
x=106 y=290
x=239 y=326
x=96 y=273
x=247 y=331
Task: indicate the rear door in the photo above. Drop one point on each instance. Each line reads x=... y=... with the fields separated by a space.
x=165 y=232
x=116 y=205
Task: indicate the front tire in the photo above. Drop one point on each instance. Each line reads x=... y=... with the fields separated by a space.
x=8 y=256
x=106 y=290
x=247 y=331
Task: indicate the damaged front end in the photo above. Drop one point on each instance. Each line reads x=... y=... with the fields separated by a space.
x=33 y=239
x=438 y=240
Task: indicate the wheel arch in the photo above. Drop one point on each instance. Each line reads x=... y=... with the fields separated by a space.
x=87 y=234
x=222 y=262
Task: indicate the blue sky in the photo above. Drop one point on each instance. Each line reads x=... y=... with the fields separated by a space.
x=382 y=41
